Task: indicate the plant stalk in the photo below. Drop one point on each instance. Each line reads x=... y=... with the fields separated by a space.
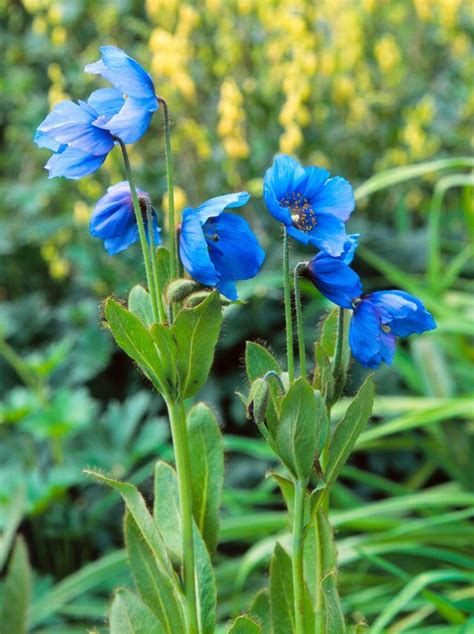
x=297 y=559
x=299 y=317
x=339 y=344
x=158 y=293
x=287 y=297
x=183 y=470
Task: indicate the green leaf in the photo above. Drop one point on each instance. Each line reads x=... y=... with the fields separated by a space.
x=163 y=338
x=195 y=332
x=281 y=592
x=17 y=591
x=129 y=615
x=259 y=361
x=206 y=452
x=154 y=583
x=139 y=303
x=13 y=515
x=287 y=488
x=349 y=429
x=163 y=267
x=166 y=509
x=135 y=339
x=323 y=375
x=297 y=432
x=245 y=625
x=260 y=608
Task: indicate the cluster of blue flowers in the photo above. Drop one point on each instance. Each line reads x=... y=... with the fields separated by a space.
x=217 y=247
x=314 y=208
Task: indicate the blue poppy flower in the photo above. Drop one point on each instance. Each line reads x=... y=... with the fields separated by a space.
x=79 y=146
x=126 y=110
x=219 y=248
x=379 y=318
x=334 y=278
x=312 y=206
x=113 y=219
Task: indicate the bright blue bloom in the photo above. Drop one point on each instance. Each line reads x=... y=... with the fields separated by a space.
x=219 y=248
x=113 y=219
x=334 y=278
x=312 y=206
x=126 y=110
x=379 y=318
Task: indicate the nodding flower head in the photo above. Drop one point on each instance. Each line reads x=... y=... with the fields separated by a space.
x=379 y=318
x=113 y=219
x=312 y=206
x=218 y=248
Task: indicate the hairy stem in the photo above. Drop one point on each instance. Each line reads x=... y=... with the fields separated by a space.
x=287 y=297
x=297 y=559
x=339 y=344
x=299 y=317
x=154 y=266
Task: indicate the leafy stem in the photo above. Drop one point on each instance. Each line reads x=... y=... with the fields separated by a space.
x=287 y=297
x=154 y=266
x=339 y=344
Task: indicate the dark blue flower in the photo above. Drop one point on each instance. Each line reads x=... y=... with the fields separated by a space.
x=334 y=278
x=312 y=206
x=379 y=318
x=219 y=248
x=114 y=221
x=126 y=110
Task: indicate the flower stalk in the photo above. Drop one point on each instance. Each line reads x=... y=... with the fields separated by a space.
x=297 y=559
x=299 y=268
x=158 y=295
x=287 y=298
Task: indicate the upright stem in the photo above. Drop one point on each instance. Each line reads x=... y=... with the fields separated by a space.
x=299 y=317
x=287 y=296
x=141 y=227
x=339 y=344
x=183 y=470
x=158 y=293
x=297 y=560
x=170 y=186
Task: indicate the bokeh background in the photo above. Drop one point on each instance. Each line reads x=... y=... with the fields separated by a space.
x=362 y=87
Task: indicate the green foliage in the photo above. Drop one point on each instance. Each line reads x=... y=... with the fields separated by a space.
x=245 y=625
x=16 y=598
x=281 y=592
x=139 y=303
x=129 y=615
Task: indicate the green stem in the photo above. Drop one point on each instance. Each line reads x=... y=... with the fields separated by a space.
x=299 y=268
x=140 y=225
x=319 y=600
x=174 y=264
x=297 y=560
x=339 y=344
x=154 y=266
x=177 y=417
x=287 y=296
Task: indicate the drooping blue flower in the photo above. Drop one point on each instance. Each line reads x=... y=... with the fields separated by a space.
x=126 y=110
x=333 y=276
x=113 y=219
x=219 y=248
x=379 y=318
x=312 y=206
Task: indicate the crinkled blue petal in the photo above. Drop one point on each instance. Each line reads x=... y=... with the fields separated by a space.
x=193 y=250
x=350 y=247
x=364 y=335
x=388 y=343
x=233 y=248
x=329 y=234
x=284 y=178
x=335 y=197
x=113 y=214
x=43 y=140
x=70 y=123
x=215 y=206
x=73 y=163
x=107 y=102
x=127 y=75
x=403 y=313
x=120 y=243
x=335 y=279
x=129 y=124
x=315 y=179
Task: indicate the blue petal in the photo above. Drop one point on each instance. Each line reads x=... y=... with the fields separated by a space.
x=215 y=206
x=387 y=346
x=127 y=75
x=403 y=313
x=315 y=179
x=106 y=102
x=335 y=280
x=194 y=252
x=122 y=242
x=282 y=180
x=329 y=234
x=73 y=163
x=43 y=140
x=236 y=254
x=113 y=214
x=350 y=247
x=364 y=335
x=70 y=123
x=228 y=288
x=335 y=198
x=129 y=124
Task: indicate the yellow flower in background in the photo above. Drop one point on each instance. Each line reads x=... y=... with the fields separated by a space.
x=231 y=126
x=387 y=53
x=82 y=212
x=180 y=202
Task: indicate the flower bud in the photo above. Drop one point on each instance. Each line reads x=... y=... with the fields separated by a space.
x=257 y=401
x=195 y=299
x=179 y=290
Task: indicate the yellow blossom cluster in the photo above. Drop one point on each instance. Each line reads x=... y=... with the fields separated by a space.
x=231 y=126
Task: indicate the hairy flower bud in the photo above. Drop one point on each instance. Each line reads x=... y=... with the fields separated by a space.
x=179 y=290
x=257 y=401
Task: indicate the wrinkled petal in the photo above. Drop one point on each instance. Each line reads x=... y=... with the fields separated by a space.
x=335 y=198
x=335 y=279
x=388 y=343
x=120 y=243
x=403 y=313
x=235 y=253
x=127 y=75
x=215 y=206
x=314 y=181
x=73 y=163
x=70 y=123
x=364 y=335
x=281 y=180
x=194 y=252
x=106 y=102
x=43 y=140
x=329 y=234
x=129 y=124
x=113 y=214
x=350 y=247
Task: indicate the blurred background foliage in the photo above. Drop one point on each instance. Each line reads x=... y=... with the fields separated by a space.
x=358 y=86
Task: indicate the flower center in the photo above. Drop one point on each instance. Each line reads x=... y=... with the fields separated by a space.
x=386 y=328
x=210 y=232
x=303 y=215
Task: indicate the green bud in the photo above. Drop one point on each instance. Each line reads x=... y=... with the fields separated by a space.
x=195 y=299
x=257 y=401
x=179 y=290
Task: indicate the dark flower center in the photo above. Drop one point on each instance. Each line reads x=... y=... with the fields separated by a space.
x=302 y=214
x=210 y=232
